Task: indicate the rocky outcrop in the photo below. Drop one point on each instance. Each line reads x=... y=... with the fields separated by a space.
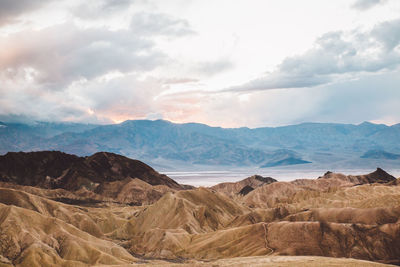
x=244 y=186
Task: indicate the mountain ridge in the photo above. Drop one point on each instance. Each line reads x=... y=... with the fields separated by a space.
x=163 y=143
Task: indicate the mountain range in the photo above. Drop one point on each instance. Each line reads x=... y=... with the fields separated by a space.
x=170 y=146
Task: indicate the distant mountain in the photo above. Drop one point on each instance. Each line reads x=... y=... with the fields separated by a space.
x=29 y=137
x=284 y=157
x=285 y=162
x=169 y=145
x=379 y=154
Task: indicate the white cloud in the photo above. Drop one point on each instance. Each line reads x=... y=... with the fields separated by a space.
x=335 y=55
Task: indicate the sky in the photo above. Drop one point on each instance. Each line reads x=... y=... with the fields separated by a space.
x=224 y=63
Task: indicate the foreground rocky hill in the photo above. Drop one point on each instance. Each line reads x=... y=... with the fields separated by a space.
x=100 y=177
x=117 y=212
x=54 y=169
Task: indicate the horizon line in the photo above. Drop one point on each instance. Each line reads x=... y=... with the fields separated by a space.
x=191 y=122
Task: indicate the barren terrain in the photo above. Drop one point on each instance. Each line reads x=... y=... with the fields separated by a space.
x=61 y=210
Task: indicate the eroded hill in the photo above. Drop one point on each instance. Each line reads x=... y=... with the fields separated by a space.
x=125 y=213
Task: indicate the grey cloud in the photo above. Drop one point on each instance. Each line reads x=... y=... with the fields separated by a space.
x=213 y=67
x=367 y=4
x=11 y=9
x=92 y=9
x=388 y=34
x=279 y=81
x=159 y=24
x=335 y=54
x=117 y=3
x=65 y=53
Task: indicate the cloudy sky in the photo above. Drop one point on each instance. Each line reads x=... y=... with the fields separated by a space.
x=225 y=63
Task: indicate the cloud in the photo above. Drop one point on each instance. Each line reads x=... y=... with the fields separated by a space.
x=56 y=60
x=280 y=80
x=146 y=24
x=388 y=35
x=10 y=10
x=335 y=55
x=92 y=9
x=255 y=109
x=372 y=97
x=178 y=80
x=367 y=4
x=98 y=100
x=120 y=98
x=95 y=74
x=114 y=60
x=68 y=73
x=210 y=68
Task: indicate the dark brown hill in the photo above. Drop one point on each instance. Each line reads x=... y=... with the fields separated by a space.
x=378 y=176
x=245 y=190
x=244 y=186
x=32 y=168
x=54 y=169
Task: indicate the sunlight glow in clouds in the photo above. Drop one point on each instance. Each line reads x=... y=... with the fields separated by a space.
x=226 y=63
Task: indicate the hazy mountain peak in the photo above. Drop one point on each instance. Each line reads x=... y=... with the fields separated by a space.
x=366 y=123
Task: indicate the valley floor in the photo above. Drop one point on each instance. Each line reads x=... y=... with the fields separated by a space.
x=268 y=261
